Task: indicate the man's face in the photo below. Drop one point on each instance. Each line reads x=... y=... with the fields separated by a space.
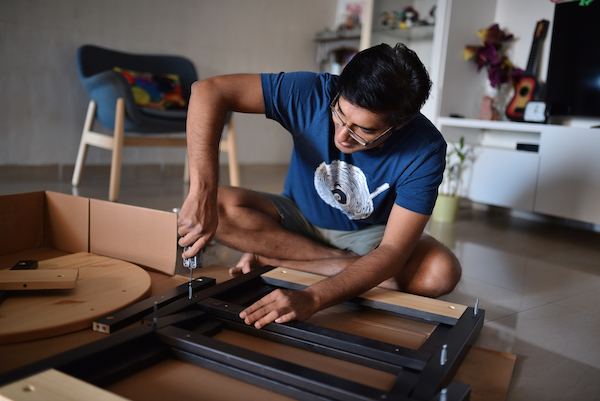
x=357 y=129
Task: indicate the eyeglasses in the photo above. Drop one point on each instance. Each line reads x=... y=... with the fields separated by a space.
x=353 y=134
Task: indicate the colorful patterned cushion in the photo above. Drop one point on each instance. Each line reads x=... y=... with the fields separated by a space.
x=158 y=91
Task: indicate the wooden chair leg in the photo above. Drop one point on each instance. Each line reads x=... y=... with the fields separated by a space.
x=118 y=138
x=234 y=167
x=83 y=145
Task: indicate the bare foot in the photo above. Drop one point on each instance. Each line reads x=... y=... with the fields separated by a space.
x=246 y=264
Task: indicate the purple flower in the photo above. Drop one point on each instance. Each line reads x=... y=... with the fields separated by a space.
x=490 y=55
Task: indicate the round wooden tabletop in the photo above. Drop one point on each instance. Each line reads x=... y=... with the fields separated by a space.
x=104 y=286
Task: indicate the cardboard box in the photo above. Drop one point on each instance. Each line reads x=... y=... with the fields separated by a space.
x=42 y=225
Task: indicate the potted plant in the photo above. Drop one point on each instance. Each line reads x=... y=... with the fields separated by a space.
x=446 y=206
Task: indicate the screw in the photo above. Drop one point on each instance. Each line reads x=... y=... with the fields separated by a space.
x=155 y=319
x=444 y=355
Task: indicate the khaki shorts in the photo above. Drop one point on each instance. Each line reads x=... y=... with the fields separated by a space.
x=360 y=241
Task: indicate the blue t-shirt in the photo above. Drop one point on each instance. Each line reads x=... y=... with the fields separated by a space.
x=348 y=192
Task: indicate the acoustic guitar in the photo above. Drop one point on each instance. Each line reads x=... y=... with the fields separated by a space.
x=528 y=87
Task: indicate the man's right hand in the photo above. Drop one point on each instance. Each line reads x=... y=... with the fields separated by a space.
x=197 y=223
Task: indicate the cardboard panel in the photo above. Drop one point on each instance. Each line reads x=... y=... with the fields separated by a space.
x=143 y=236
x=67 y=222
x=488 y=373
x=21 y=222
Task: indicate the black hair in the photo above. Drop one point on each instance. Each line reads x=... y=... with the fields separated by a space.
x=387 y=81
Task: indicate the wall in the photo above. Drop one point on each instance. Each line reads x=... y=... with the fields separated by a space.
x=43 y=104
x=519 y=18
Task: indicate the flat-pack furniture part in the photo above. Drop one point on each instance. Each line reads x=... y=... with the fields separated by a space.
x=190 y=331
x=105 y=285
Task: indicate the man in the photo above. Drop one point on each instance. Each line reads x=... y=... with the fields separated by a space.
x=360 y=188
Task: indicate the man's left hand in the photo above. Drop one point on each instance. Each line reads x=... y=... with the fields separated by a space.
x=280 y=306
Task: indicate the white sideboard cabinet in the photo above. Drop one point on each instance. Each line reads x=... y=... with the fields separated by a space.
x=557 y=173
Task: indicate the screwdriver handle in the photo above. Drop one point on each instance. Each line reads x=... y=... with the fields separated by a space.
x=193 y=262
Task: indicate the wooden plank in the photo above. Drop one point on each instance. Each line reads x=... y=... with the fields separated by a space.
x=52 y=385
x=429 y=305
x=38 y=279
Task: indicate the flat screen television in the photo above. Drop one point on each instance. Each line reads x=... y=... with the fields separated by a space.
x=573 y=79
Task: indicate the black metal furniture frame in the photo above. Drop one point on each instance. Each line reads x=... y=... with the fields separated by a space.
x=184 y=328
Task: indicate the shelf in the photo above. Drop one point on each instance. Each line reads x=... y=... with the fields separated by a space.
x=489 y=125
x=337 y=38
x=419 y=32
x=490 y=134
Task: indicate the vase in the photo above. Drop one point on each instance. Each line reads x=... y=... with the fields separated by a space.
x=446 y=209
x=488 y=109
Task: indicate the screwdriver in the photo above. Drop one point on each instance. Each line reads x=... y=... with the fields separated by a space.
x=192 y=263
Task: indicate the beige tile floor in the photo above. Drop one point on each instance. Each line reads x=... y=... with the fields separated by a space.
x=539 y=282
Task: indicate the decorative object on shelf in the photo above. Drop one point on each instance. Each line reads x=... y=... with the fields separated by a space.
x=446 y=206
x=500 y=69
x=406 y=18
x=410 y=17
x=489 y=104
x=528 y=87
x=536 y=112
x=430 y=20
x=352 y=18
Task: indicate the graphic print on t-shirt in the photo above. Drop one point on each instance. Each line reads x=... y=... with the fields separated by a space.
x=344 y=186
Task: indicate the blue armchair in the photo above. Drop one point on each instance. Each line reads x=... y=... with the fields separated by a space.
x=141 y=94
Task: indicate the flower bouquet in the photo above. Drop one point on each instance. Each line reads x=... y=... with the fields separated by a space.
x=491 y=55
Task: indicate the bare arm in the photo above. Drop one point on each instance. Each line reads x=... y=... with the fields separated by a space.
x=403 y=230
x=210 y=101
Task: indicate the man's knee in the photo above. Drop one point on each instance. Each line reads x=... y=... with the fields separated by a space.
x=438 y=270
x=228 y=200
x=235 y=204
x=444 y=272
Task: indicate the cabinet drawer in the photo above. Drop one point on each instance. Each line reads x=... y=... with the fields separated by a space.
x=569 y=179
x=504 y=177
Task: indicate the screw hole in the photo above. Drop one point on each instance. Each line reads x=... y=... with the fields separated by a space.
x=28 y=388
